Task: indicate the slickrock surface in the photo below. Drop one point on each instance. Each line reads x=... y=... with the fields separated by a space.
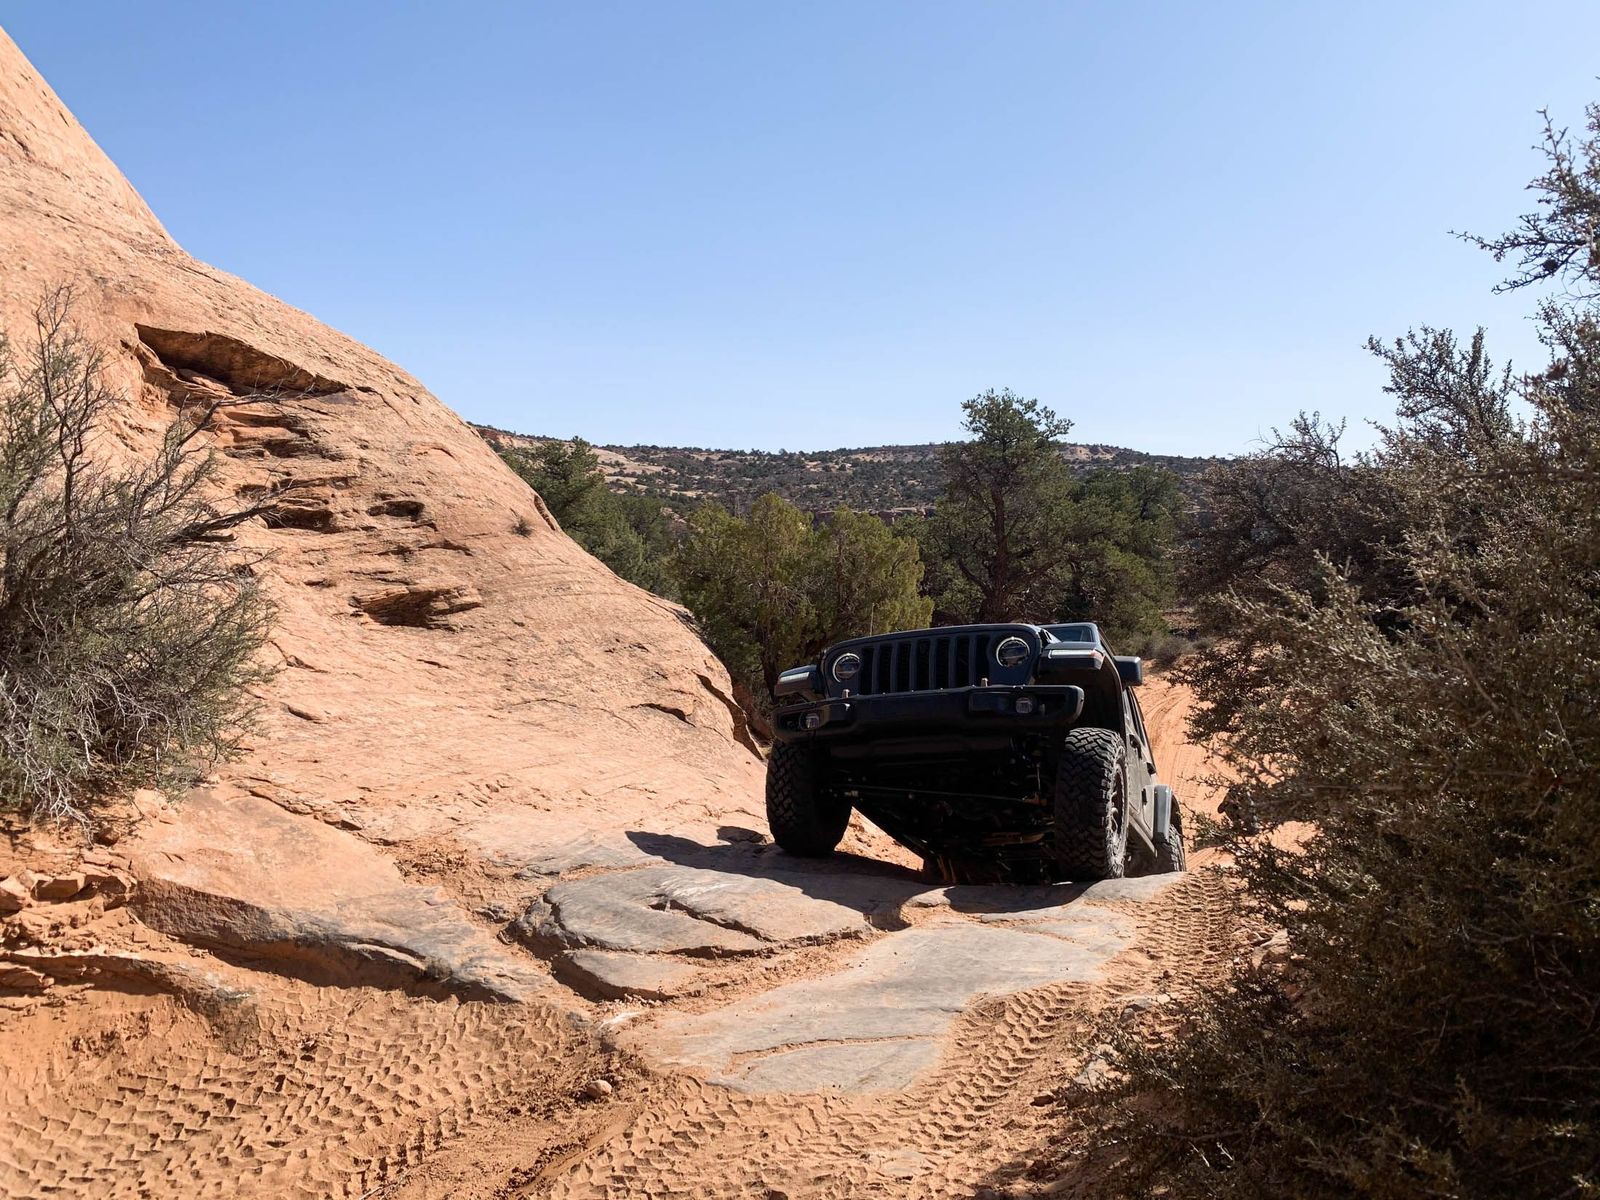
x=878 y=1022
x=243 y=877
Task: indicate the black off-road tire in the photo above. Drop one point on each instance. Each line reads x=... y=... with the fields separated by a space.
x=1167 y=858
x=804 y=820
x=1091 y=810
x=1172 y=855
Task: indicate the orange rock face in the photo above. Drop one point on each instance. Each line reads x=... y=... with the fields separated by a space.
x=443 y=643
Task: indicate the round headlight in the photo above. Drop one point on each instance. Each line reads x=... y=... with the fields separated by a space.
x=846 y=667
x=1012 y=652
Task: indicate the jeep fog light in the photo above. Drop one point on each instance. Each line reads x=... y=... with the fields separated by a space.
x=813 y=720
x=846 y=667
x=1024 y=705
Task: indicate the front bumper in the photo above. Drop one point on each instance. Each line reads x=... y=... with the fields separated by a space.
x=1031 y=708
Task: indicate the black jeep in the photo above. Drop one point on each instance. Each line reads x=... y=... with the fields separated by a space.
x=997 y=752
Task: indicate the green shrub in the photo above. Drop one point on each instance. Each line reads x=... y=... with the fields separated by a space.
x=128 y=628
x=1172 y=648
x=1417 y=674
x=770 y=590
x=630 y=534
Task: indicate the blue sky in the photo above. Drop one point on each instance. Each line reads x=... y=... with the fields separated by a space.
x=826 y=224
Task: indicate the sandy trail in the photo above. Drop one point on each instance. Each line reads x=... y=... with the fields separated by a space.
x=137 y=1095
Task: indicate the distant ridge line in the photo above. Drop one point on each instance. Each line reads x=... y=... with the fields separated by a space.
x=888 y=479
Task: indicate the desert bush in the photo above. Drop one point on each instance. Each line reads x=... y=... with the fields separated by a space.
x=770 y=590
x=1115 y=533
x=1165 y=651
x=128 y=627
x=630 y=534
x=1420 y=680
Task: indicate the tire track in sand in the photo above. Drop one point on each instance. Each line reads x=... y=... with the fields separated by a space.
x=336 y=1093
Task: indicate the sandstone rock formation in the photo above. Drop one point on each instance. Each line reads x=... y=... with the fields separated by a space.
x=444 y=646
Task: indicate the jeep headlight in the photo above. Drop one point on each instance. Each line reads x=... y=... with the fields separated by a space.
x=846 y=667
x=1012 y=652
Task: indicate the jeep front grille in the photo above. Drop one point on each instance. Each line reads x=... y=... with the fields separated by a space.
x=926 y=663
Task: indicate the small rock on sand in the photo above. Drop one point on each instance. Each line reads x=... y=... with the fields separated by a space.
x=15 y=895
x=23 y=979
x=59 y=887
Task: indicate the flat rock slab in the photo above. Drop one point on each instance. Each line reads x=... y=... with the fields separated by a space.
x=543 y=844
x=686 y=910
x=1034 y=902
x=242 y=876
x=613 y=975
x=879 y=1023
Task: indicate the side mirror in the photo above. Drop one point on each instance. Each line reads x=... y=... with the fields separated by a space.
x=1131 y=668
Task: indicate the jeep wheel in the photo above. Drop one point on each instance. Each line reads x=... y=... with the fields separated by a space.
x=1170 y=854
x=1091 y=827
x=802 y=818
